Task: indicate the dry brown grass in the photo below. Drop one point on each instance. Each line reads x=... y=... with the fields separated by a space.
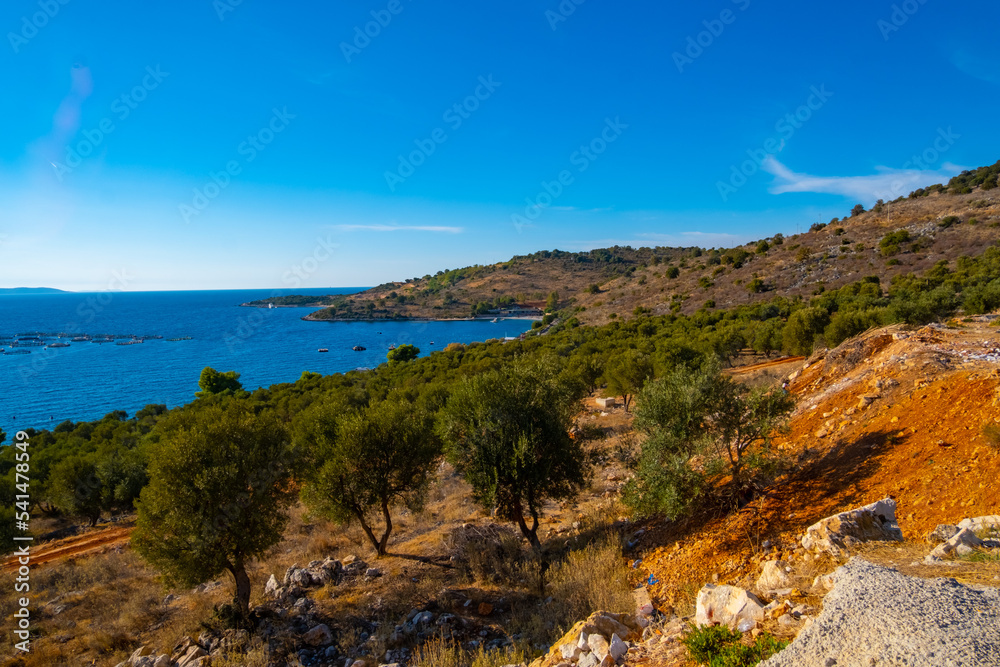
x=113 y=602
x=444 y=653
x=97 y=610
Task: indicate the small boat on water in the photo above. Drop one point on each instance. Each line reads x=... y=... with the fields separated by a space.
x=322 y=349
x=359 y=348
x=392 y=347
x=494 y=320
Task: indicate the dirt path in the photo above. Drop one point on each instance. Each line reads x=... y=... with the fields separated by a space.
x=766 y=364
x=74 y=546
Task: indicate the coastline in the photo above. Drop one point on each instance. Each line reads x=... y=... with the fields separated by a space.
x=309 y=318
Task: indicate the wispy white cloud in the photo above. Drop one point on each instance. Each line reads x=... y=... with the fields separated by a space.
x=701 y=239
x=674 y=240
x=975 y=66
x=577 y=209
x=886 y=184
x=440 y=229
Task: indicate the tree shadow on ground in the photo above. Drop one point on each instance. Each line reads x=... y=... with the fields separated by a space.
x=810 y=491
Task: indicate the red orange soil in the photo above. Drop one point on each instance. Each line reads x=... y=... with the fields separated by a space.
x=893 y=413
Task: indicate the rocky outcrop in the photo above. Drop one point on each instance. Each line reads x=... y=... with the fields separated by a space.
x=942 y=533
x=981 y=523
x=730 y=606
x=604 y=639
x=774 y=576
x=836 y=534
x=962 y=543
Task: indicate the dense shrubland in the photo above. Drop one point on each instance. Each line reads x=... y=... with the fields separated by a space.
x=88 y=469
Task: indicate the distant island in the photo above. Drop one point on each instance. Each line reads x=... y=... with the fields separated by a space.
x=31 y=290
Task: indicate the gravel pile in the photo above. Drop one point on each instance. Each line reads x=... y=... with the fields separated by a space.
x=877 y=616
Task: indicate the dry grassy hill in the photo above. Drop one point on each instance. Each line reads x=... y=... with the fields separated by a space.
x=939 y=226
x=937 y=223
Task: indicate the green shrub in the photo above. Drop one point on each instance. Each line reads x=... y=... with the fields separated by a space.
x=948 y=221
x=704 y=643
x=801 y=329
x=889 y=245
x=719 y=646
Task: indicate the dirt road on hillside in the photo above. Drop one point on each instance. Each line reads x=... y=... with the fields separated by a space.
x=766 y=364
x=70 y=547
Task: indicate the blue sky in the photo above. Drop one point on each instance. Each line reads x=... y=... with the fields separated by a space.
x=194 y=144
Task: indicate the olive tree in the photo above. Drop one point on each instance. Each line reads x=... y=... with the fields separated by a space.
x=364 y=463
x=218 y=495
x=507 y=433
x=705 y=413
x=627 y=373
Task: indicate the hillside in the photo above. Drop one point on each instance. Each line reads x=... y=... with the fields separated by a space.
x=931 y=224
x=938 y=226
x=896 y=412
x=524 y=280
x=31 y=290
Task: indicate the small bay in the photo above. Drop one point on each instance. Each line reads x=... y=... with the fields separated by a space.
x=266 y=346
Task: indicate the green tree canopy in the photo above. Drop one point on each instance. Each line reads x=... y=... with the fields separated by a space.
x=507 y=433
x=367 y=461
x=74 y=488
x=403 y=353
x=220 y=486
x=700 y=412
x=214 y=382
x=627 y=373
x=552 y=302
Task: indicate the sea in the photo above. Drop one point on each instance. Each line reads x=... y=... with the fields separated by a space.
x=87 y=380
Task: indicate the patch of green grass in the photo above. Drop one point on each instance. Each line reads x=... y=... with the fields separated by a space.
x=984 y=556
x=718 y=646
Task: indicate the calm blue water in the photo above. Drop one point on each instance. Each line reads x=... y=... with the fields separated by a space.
x=86 y=381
